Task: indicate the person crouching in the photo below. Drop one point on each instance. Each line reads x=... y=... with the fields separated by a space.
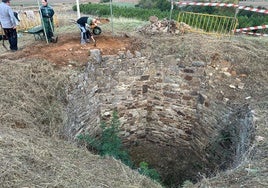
x=82 y=24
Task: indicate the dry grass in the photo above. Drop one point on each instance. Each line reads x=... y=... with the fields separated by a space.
x=31 y=119
x=30 y=95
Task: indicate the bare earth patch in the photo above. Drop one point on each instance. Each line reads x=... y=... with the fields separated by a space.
x=69 y=50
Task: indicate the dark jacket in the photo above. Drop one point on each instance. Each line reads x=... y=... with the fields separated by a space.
x=47 y=11
x=83 y=20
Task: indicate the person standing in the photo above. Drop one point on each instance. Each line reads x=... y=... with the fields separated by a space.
x=82 y=24
x=8 y=23
x=47 y=14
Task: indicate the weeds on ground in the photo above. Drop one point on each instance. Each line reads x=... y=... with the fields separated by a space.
x=109 y=143
x=151 y=173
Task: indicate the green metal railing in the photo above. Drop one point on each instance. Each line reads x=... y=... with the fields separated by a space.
x=209 y=24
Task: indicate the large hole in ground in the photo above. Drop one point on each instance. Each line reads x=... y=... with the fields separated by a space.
x=176 y=128
x=177 y=162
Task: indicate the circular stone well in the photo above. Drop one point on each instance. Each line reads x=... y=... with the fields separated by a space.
x=169 y=118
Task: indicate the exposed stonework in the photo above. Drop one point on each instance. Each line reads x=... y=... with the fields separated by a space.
x=165 y=113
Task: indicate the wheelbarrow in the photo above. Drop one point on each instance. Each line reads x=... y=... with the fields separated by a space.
x=37 y=31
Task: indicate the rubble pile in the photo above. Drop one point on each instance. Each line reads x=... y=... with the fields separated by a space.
x=165 y=26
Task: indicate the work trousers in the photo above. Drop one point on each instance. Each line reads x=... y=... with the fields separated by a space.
x=85 y=34
x=49 y=28
x=12 y=36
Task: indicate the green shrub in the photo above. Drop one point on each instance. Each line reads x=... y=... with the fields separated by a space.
x=162 y=5
x=151 y=173
x=109 y=142
x=120 y=11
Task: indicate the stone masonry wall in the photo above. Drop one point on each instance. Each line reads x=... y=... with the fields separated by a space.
x=167 y=118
